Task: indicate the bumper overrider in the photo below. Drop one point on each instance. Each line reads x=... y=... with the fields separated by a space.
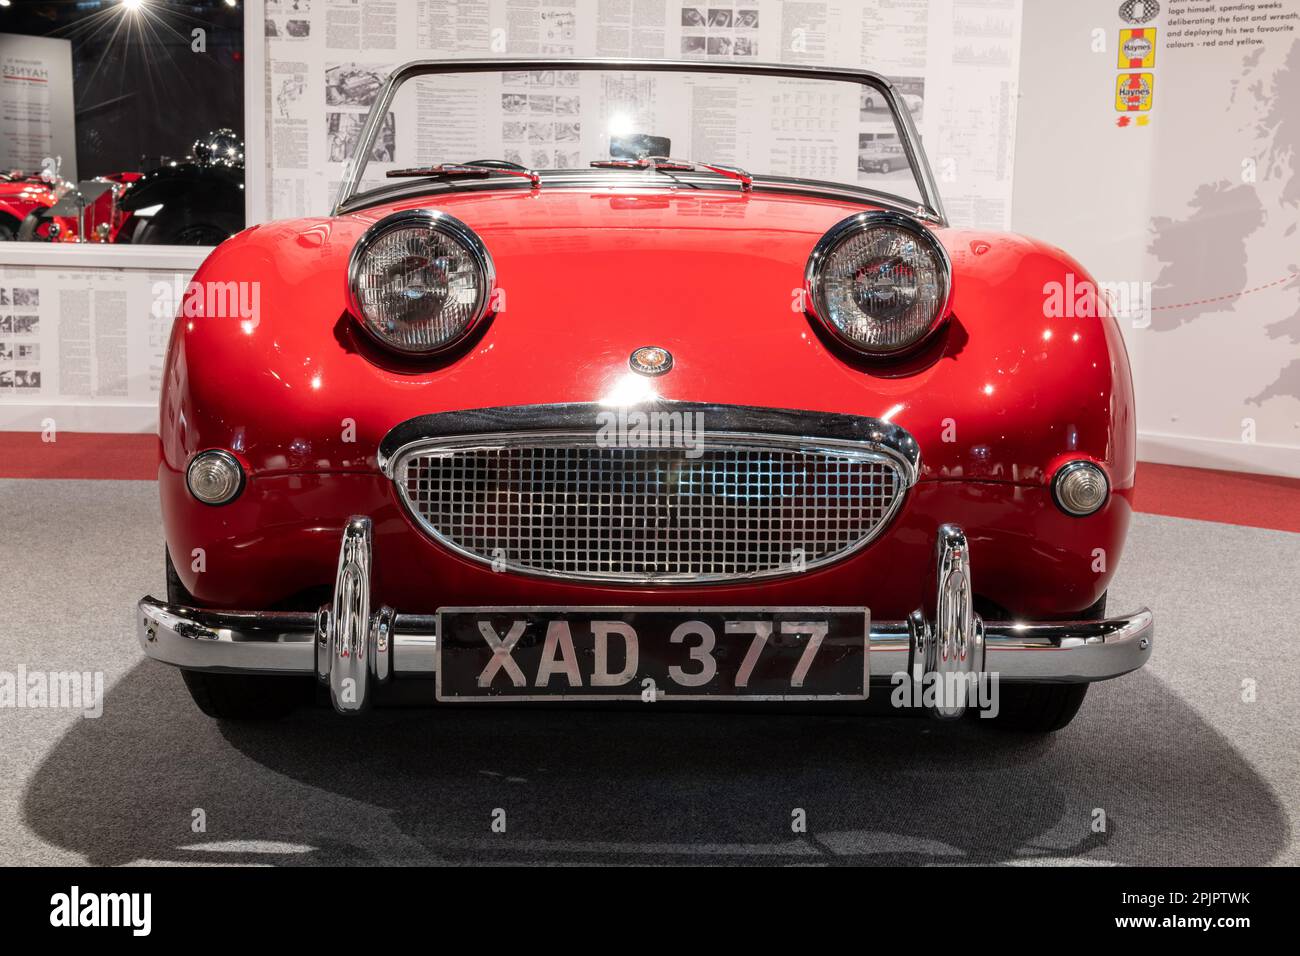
x=354 y=648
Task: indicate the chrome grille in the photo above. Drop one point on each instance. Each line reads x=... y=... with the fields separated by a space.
x=568 y=507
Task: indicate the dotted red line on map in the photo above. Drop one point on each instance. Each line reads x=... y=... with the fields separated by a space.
x=1230 y=295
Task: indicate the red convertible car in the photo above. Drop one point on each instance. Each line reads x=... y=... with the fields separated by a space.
x=653 y=429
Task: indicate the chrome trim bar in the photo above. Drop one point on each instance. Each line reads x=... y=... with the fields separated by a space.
x=266 y=642
x=523 y=421
x=405 y=645
x=931 y=206
x=238 y=642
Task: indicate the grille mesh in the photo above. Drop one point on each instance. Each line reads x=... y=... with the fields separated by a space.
x=594 y=512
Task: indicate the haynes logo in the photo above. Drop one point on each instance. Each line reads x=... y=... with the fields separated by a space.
x=1139 y=11
x=1137 y=48
x=1133 y=92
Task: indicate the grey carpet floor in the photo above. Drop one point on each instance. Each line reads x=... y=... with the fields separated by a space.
x=1188 y=768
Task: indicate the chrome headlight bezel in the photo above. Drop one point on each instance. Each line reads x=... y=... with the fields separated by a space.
x=842 y=231
x=453 y=229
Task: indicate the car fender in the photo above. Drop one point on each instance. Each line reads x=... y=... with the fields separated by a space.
x=190 y=185
x=1003 y=391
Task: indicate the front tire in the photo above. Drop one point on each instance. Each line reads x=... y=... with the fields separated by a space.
x=1043 y=708
x=239 y=696
x=246 y=696
x=1038 y=708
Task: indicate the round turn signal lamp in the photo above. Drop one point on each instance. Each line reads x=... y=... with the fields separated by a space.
x=214 y=477
x=1080 y=488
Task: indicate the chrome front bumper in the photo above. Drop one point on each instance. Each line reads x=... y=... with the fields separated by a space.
x=353 y=649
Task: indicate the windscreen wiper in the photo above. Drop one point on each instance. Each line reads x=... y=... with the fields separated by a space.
x=468 y=169
x=664 y=164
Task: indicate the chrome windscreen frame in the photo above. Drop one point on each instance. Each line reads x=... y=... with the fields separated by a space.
x=929 y=208
x=865 y=439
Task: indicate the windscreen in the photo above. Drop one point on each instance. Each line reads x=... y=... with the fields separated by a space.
x=825 y=130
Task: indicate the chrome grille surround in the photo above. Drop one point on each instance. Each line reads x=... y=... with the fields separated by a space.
x=560 y=503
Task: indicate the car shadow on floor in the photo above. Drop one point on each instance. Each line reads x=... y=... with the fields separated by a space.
x=646 y=785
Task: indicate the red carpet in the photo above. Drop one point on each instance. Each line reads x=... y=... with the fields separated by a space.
x=1229 y=497
x=78 y=455
x=1256 y=501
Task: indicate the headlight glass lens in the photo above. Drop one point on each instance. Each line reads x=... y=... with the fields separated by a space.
x=1081 y=488
x=879 y=282
x=214 y=477
x=420 y=281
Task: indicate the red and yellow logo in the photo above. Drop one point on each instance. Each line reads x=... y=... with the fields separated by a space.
x=1137 y=48
x=1133 y=92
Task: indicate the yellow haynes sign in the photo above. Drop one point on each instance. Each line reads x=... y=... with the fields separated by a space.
x=1137 y=48
x=1133 y=92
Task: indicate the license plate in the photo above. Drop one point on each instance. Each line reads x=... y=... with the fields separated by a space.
x=597 y=653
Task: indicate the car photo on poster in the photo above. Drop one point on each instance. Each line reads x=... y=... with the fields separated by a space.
x=352 y=84
x=873 y=104
x=882 y=158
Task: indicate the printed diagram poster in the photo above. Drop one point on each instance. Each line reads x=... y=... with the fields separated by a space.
x=20 y=347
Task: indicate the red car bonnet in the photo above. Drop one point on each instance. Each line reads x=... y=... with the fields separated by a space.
x=586 y=277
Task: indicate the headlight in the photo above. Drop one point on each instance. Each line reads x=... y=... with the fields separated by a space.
x=878 y=282
x=420 y=281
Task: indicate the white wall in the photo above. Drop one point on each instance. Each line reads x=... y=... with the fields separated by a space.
x=1202 y=202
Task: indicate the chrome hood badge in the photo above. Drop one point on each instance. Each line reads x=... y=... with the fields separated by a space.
x=651 y=360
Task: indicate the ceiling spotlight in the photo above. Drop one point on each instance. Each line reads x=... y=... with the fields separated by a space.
x=132 y=4
x=4 y=3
